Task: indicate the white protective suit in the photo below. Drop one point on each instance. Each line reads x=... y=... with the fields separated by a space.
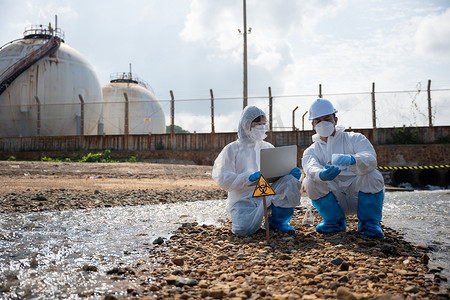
x=360 y=177
x=232 y=169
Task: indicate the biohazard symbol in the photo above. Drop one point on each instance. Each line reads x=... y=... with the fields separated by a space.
x=263 y=188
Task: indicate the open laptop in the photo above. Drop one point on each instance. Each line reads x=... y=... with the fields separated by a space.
x=277 y=162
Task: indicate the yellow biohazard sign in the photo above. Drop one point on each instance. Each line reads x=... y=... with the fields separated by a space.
x=263 y=188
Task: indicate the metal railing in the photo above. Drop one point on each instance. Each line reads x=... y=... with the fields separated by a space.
x=13 y=71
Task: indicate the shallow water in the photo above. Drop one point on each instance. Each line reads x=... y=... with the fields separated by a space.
x=424 y=219
x=44 y=253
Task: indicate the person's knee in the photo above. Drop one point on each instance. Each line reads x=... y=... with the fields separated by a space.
x=239 y=230
x=314 y=189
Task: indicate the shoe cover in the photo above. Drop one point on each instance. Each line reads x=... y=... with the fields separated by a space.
x=332 y=214
x=280 y=218
x=370 y=208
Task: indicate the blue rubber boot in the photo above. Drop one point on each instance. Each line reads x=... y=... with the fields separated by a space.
x=370 y=208
x=280 y=218
x=332 y=214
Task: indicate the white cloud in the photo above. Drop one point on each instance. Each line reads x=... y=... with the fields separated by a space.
x=193 y=46
x=432 y=36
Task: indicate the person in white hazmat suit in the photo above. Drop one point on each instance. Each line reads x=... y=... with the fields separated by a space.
x=238 y=165
x=341 y=176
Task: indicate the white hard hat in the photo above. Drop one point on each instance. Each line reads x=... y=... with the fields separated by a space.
x=321 y=107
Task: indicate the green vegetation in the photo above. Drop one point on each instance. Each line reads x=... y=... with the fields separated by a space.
x=98 y=157
x=104 y=156
x=177 y=129
x=91 y=157
x=406 y=135
x=50 y=159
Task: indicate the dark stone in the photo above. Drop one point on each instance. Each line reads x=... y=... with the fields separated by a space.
x=158 y=241
x=337 y=261
x=181 y=281
x=345 y=266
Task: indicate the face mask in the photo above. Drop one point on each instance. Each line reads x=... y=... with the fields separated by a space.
x=324 y=128
x=258 y=133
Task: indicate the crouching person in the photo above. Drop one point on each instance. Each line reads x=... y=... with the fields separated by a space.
x=344 y=183
x=238 y=165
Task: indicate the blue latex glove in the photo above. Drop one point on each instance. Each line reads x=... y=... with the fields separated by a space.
x=255 y=176
x=345 y=160
x=296 y=173
x=329 y=173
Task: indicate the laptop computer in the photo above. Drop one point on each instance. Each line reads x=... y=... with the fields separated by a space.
x=277 y=162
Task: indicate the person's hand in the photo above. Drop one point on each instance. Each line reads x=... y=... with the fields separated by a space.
x=255 y=176
x=345 y=160
x=296 y=173
x=329 y=173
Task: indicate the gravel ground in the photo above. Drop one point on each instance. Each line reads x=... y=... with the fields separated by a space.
x=210 y=262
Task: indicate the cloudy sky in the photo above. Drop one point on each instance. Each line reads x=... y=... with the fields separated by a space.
x=192 y=46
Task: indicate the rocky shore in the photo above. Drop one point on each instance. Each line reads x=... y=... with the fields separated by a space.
x=201 y=261
x=64 y=199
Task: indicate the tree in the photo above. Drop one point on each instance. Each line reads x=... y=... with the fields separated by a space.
x=177 y=129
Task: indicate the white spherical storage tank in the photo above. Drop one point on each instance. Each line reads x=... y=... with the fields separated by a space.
x=47 y=88
x=127 y=93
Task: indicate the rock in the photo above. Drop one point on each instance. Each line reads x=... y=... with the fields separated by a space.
x=308 y=274
x=179 y=261
x=203 y=284
x=285 y=257
x=343 y=279
x=158 y=241
x=388 y=297
x=181 y=281
x=305 y=297
x=345 y=266
x=154 y=288
x=422 y=247
x=170 y=279
x=344 y=293
x=216 y=293
x=187 y=225
x=87 y=268
x=337 y=261
x=424 y=259
x=411 y=289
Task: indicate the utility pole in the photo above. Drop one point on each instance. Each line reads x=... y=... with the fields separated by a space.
x=245 y=54
x=374 y=117
x=212 y=110
x=430 y=115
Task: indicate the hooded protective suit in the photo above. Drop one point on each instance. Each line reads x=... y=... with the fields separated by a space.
x=232 y=169
x=359 y=177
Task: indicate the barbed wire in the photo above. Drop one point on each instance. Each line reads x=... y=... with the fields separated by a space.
x=226 y=98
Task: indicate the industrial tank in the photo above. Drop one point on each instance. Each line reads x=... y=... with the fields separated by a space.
x=130 y=107
x=47 y=88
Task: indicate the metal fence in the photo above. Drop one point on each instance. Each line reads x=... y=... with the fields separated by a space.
x=371 y=109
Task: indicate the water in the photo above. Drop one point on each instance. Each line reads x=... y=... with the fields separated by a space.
x=44 y=253
x=424 y=219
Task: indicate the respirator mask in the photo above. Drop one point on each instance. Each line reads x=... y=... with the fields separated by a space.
x=258 y=133
x=324 y=128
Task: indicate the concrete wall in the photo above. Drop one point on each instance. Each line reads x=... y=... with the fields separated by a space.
x=203 y=148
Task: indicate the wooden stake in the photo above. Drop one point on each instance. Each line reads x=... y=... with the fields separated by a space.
x=266 y=219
